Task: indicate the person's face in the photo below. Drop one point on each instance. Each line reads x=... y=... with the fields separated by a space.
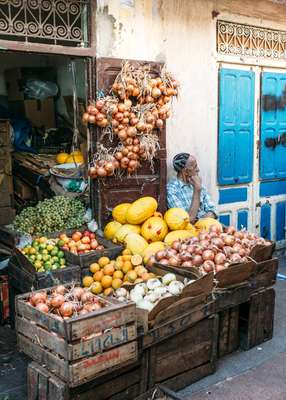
x=191 y=167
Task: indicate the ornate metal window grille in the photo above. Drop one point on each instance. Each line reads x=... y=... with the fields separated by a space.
x=247 y=40
x=59 y=22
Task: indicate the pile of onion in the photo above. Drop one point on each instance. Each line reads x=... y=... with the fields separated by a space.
x=66 y=302
x=139 y=106
x=211 y=251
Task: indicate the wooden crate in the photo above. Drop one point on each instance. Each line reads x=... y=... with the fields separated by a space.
x=183 y=358
x=127 y=383
x=7 y=215
x=78 y=349
x=25 y=280
x=228 y=333
x=5 y=130
x=256 y=319
x=265 y=274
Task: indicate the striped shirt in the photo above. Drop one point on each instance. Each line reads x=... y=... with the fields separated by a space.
x=180 y=194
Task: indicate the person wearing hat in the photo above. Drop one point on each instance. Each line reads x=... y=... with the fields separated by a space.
x=186 y=191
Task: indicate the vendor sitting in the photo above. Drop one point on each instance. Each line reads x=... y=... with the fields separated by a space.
x=186 y=191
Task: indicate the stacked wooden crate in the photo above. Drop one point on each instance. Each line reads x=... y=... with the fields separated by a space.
x=7 y=212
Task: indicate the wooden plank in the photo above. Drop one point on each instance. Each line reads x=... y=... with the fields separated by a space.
x=105 y=318
x=230 y=297
x=54 y=364
x=45 y=320
x=184 y=351
x=169 y=329
x=43 y=385
x=223 y=332
x=91 y=367
x=112 y=338
x=233 y=336
x=32 y=381
x=41 y=336
x=58 y=390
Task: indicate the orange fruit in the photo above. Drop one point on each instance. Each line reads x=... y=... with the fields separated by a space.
x=119 y=258
x=126 y=257
x=98 y=276
x=103 y=261
x=106 y=281
x=118 y=274
x=108 y=270
x=119 y=264
x=116 y=283
x=96 y=288
x=108 y=291
x=127 y=267
x=126 y=252
x=94 y=267
x=87 y=281
x=131 y=276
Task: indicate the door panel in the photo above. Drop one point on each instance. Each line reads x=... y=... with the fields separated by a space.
x=273 y=125
x=236 y=126
x=111 y=191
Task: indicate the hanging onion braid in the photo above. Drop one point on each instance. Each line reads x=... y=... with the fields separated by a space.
x=180 y=160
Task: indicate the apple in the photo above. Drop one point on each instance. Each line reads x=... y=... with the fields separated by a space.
x=85 y=240
x=94 y=244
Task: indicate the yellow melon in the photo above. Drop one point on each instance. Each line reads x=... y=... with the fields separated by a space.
x=75 y=158
x=110 y=229
x=124 y=230
x=176 y=219
x=154 y=229
x=141 y=210
x=204 y=224
x=192 y=229
x=135 y=243
x=177 y=235
x=119 y=212
x=152 y=249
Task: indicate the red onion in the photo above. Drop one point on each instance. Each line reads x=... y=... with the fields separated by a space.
x=197 y=260
x=205 y=243
x=176 y=245
x=173 y=261
x=78 y=292
x=235 y=258
x=230 y=230
x=42 y=307
x=208 y=255
x=60 y=289
x=220 y=258
x=57 y=300
x=185 y=256
x=187 y=264
x=86 y=297
x=204 y=236
x=208 y=266
x=219 y=267
x=37 y=298
x=164 y=261
x=160 y=254
x=229 y=240
x=66 y=309
x=191 y=248
x=218 y=243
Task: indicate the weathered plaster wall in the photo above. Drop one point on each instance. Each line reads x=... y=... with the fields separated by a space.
x=181 y=33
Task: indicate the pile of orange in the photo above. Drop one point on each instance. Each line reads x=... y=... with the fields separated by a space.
x=109 y=275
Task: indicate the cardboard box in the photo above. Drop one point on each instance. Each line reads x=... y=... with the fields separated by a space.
x=7 y=215
x=40 y=112
x=16 y=79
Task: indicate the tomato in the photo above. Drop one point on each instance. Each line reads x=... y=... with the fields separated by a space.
x=94 y=244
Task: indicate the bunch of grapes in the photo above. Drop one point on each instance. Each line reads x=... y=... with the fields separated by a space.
x=51 y=215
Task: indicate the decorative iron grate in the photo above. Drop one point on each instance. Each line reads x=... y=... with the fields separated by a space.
x=60 y=22
x=247 y=40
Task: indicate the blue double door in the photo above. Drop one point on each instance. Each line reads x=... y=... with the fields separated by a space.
x=252 y=194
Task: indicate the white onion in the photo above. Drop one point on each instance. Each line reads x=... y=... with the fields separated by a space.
x=121 y=292
x=136 y=297
x=175 y=287
x=145 y=305
x=168 y=278
x=153 y=283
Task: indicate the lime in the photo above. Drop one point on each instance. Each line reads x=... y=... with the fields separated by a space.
x=44 y=251
x=46 y=257
x=50 y=247
x=62 y=261
x=32 y=257
x=54 y=259
x=55 y=250
x=61 y=254
x=47 y=265
x=55 y=266
x=35 y=243
x=41 y=270
x=32 y=250
x=43 y=246
x=61 y=243
x=38 y=264
x=39 y=257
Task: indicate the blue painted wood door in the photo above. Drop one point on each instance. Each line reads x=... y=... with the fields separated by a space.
x=236 y=126
x=273 y=125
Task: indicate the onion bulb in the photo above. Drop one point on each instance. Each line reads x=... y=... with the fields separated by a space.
x=66 y=309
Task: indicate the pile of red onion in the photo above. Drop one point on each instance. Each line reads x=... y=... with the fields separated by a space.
x=211 y=251
x=66 y=302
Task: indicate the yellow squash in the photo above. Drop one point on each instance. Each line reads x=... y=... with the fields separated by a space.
x=110 y=229
x=177 y=235
x=154 y=229
x=135 y=243
x=204 y=224
x=176 y=218
x=124 y=230
x=141 y=210
x=119 y=212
